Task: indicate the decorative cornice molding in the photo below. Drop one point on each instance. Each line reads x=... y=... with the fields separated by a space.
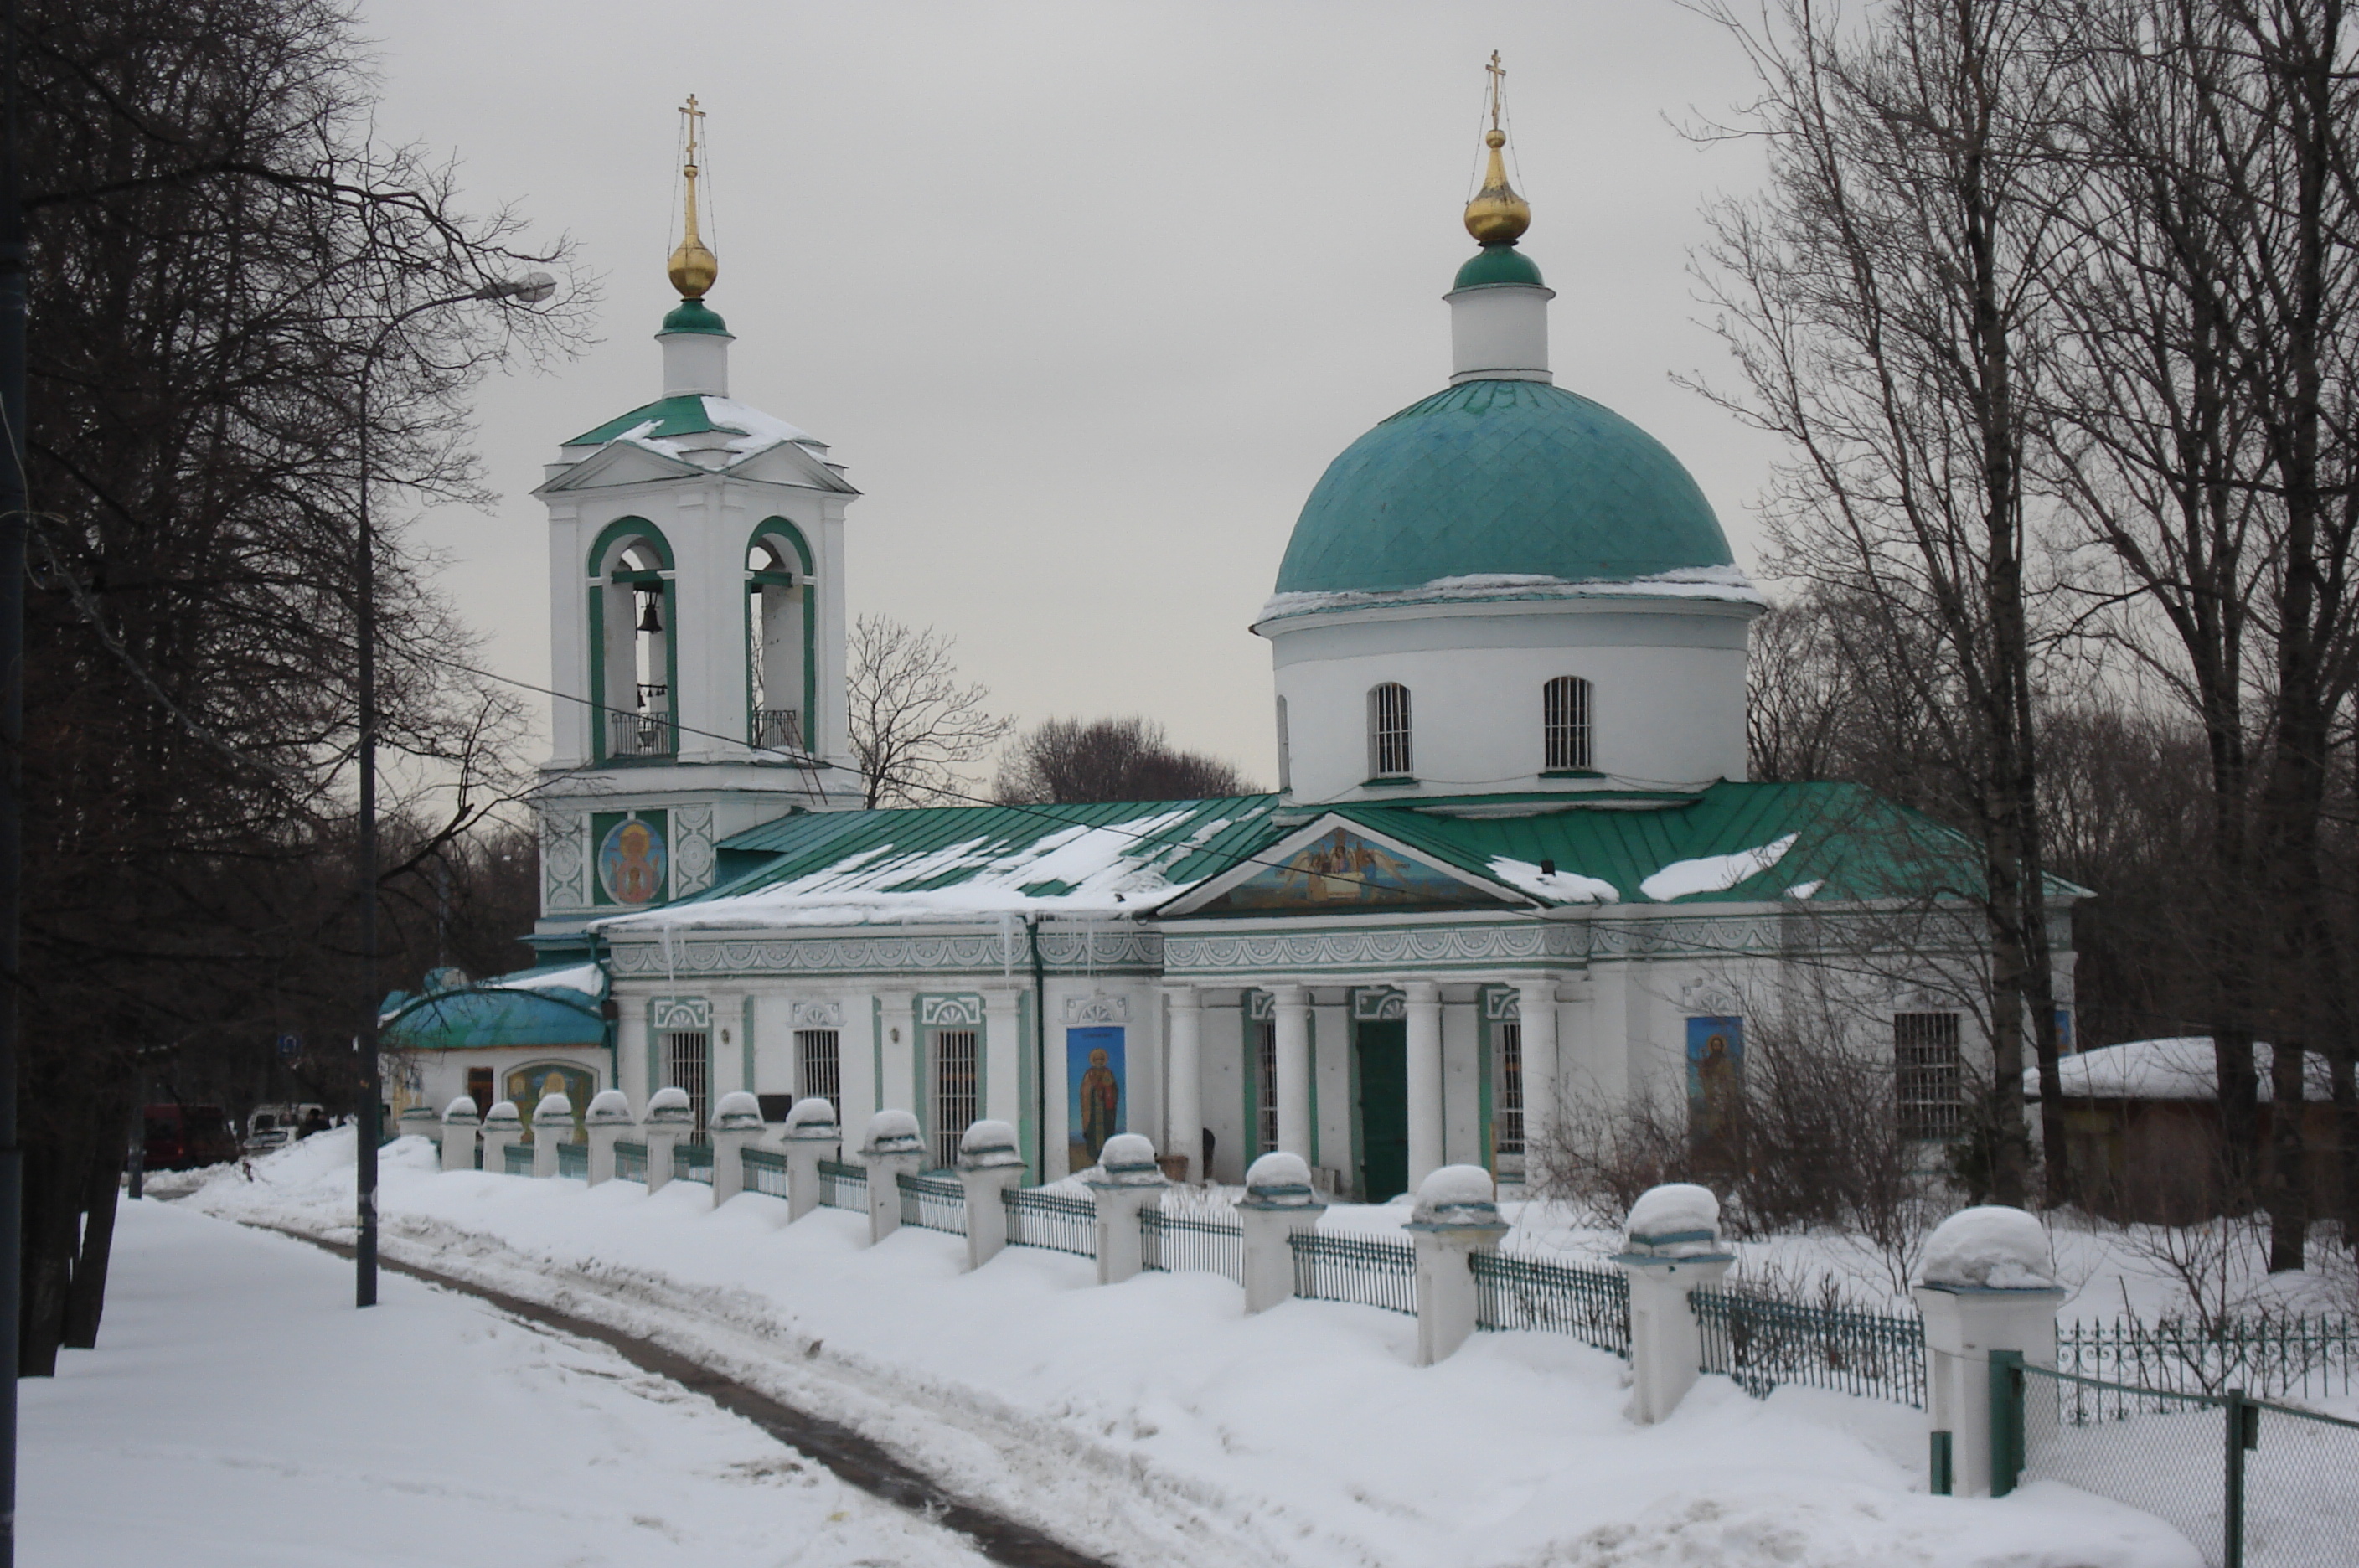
x=961 y=1010
x=1097 y=1009
x=1378 y=1004
x=817 y=1015
x=679 y=1012
x=1377 y=949
x=1105 y=952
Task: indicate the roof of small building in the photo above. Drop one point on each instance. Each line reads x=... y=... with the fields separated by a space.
x=1731 y=842
x=1501 y=478
x=693 y=414
x=550 y=1006
x=2184 y=1067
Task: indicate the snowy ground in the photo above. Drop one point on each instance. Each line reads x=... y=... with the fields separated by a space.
x=1154 y=1423
x=239 y=1412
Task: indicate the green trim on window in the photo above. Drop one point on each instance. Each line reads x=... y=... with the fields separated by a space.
x=780 y=528
x=1386 y=781
x=621 y=528
x=601 y=727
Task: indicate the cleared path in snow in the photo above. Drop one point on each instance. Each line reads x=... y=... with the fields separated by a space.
x=853 y=1458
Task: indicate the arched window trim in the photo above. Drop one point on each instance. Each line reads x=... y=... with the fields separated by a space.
x=775 y=528
x=615 y=538
x=1391 y=732
x=1567 y=725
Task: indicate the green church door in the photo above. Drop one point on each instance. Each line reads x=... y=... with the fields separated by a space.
x=1384 y=1109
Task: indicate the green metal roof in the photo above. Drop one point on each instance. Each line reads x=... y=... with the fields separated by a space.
x=506 y=1010
x=1500 y=477
x=695 y=316
x=683 y=415
x=1496 y=264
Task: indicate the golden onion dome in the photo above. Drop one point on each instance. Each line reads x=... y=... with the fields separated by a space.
x=1497 y=215
x=693 y=264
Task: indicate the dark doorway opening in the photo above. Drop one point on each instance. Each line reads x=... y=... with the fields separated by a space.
x=1383 y=1108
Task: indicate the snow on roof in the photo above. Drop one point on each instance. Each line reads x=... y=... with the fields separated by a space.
x=1566 y=886
x=590 y=979
x=1715 y=873
x=1071 y=868
x=1727 y=583
x=2178 y=1069
x=755 y=431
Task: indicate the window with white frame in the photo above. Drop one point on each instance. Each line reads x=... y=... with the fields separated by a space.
x=1388 y=732
x=687 y=1057
x=1264 y=1086
x=1929 y=1085
x=955 y=1091
x=1507 y=1088
x=1564 y=722
x=1284 y=751
x=819 y=1065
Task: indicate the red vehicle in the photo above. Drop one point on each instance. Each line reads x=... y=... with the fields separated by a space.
x=182 y=1137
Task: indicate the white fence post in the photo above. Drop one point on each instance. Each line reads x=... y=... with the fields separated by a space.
x=736 y=1122
x=552 y=1123
x=418 y=1121
x=1457 y=1215
x=604 y=1123
x=670 y=1117
x=989 y=1164
x=503 y=1126
x=1988 y=1283
x=460 y=1123
x=1127 y=1180
x=1279 y=1201
x=810 y=1137
x=895 y=1145
x=1669 y=1246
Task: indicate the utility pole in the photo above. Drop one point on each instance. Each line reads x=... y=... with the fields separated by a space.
x=12 y=504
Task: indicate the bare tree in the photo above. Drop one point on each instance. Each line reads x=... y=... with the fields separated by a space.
x=915 y=726
x=1109 y=759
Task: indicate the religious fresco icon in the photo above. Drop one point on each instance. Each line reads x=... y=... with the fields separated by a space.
x=632 y=862
x=1715 y=1081
x=1340 y=869
x=528 y=1086
x=1094 y=1080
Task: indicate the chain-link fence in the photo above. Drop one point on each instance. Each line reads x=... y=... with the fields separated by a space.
x=2251 y=1484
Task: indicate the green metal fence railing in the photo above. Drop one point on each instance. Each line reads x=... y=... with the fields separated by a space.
x=1761 y=1342
x=933 y=1202
x=573 y=1160
x=843 y=1186
x=1593 y=1305
x=1180 y=1244
x=2272 y=1354
x=765 y=1171
x=1058 y=1221
x=691 y=1163
x=2253 y=1484
x=630 y=1160
x=1359 y=1268
x=516 y=1159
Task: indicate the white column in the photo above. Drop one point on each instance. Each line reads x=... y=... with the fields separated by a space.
x=1536 y=1006
x=1424 y=1080
x=1293 y=1042
x=1003 y=1045
x=1185 y=1135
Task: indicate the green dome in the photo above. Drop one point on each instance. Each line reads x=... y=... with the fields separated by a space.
x=1499 y=263
x=695 y=316
x=1500 y=477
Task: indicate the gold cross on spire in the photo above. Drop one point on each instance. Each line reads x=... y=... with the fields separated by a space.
x=1498 y=79
x=693 y=264
x=1496 y=215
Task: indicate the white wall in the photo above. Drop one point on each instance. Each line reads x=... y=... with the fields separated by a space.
x=1666 y=692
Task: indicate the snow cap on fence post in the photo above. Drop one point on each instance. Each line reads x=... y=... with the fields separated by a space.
x=1125 y=1179
x=1670 y=1245
x=736 y=1122
x=1279 y=1201
x=989 y=1162
x=503 y=1127
x=418 y=1121
x=552 y=1124
x=670 y=1118
x=810 y=1136
x=604 y=1123
x=460 y=1122
x=1988 y=1282
x=1457 y=1215
x=896 y=1147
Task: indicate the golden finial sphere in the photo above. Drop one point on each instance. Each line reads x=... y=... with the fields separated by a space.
x=693 y=268
x=1494 y=137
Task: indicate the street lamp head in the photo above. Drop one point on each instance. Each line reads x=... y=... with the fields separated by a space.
x=532 y=288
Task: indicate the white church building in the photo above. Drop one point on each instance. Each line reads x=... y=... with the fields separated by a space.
x=1512 y=865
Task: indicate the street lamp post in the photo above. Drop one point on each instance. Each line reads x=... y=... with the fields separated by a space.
x=530 y=289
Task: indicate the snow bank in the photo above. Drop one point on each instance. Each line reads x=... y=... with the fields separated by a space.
x=1678 y=1210
x=1564 y=886
x=1992 y=1247
x=1715 y=873
x=2184 y=1068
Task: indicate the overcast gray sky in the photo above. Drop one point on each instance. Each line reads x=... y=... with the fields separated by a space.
x=1086 y=295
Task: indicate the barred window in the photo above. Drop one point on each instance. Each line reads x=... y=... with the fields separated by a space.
x=1265 y=1086
x=687 y=1053
x=818 y=1058
x=1507 y=1089
x=1930 y=1082
x=954 y=1085
x=1388 y=749
x=1564 y=714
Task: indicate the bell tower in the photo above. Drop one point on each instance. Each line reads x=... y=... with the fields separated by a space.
x=696 y=616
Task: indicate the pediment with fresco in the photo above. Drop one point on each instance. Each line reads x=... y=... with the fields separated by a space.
x=1339 y=871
